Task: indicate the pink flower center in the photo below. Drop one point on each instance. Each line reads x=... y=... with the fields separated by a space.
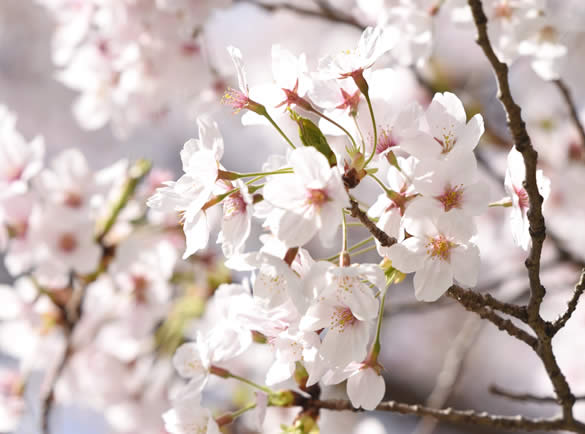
x=503 y=10
x=236 y=99
x=190 y=48
x=447 y=142
x=317 y=197
x=440 y=247
x=523 y=201
x=14 y=175
x=341 y=318
x=67 y=242
x=140 y=283
x=234 y=205
x=73 y=199
x=386 y=141
x=451 y=197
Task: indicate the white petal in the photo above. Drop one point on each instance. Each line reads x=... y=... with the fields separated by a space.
x=465 y=262
x=408 y=256
x=432 y=280
x=366 y=389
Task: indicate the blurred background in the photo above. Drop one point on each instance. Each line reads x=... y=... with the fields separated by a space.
x=435 y=352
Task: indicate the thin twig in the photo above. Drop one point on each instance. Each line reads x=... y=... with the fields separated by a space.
x=323 y=13
x=473 y=304
x=564 y=89
x=571 y=305
x=487 y=300
x=528 y=397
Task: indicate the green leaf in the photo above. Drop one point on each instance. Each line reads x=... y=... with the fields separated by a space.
x=311 y=135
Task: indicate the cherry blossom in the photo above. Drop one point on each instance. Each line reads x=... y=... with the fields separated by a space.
x=188 y=417
x=439 y=251
x=515 y=176
x=190 y=193
x=449 y=134
x=308 y=202
x=19 y=161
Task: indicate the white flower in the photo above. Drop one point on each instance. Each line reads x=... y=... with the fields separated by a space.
x=345 y=306
x=189 y=194
x=290 y=346
x=309 y=201
x=275 y=283
x=71 y=183
x=373 y=43
x=188 y=417
x=451 y=186
x=448 y=135
x=290 y=84
x=236 y=221
x=66 y=243
x=193 y=360
x=16 y=227
x=19 y=161
x=365 y=386
x=439 y=251
x=414 y=23
x=515 y=176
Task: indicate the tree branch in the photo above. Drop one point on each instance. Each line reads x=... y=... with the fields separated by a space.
x=515 y=396
x=523 y=144
x=465 y=417
x=324 y=12
x=384 y=239
x=562 y=86
x=571 y=305
x=487 y=300
x=473 y=304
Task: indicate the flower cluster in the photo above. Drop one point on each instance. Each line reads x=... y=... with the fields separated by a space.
x=131 y=62
x=541 y=30
x=317 y=315
x=98 y=283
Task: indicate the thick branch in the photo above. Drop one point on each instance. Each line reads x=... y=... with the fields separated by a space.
x=561 y=85
x=384 y=239
x=523 y=144
x=515 y=396
x=472 y=304
x=466 y=417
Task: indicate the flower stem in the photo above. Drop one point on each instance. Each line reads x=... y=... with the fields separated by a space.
x=275 y=125
x=506 y=202
x=367 y=95
x=327 y=118
x=376 y=345
x=250 y=383
x=381 y=184
x=366 y=250
x=361 y=135
x=354 y=247
x=260 y=175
